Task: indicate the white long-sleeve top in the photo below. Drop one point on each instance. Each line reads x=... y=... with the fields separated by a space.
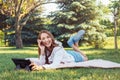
x=58 y=56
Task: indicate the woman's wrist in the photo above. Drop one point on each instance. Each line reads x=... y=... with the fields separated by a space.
x=41 y=68
x=42 y=52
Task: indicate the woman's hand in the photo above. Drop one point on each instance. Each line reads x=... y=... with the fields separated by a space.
x=41 y=46
x=35 y=67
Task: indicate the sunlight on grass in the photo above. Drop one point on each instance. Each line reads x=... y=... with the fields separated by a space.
x=26 y=50
x=110 y=43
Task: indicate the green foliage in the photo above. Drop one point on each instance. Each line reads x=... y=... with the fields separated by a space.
x=75 y=15
x=3 y=23
x=75 y=12
x=1 y=38
x=95 y=35
x=20 y=11
x=72 y=16
x=115 y=9
x=29 y=31
x=34 y=24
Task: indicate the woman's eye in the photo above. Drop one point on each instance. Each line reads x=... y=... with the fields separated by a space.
x=48 y=37
x=43 y=39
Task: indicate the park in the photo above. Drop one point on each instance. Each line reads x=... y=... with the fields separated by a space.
x=22 y=20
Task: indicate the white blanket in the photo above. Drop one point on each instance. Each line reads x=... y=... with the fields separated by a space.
x=98 y=63
x=95 y=63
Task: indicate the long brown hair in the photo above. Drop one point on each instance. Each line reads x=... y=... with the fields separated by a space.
x=52 y=45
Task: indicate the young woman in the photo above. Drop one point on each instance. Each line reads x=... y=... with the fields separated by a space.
x=52 y=54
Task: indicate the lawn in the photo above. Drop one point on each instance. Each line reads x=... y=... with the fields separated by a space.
x=7 y=71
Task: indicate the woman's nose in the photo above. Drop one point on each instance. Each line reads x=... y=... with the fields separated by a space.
x=46 y=39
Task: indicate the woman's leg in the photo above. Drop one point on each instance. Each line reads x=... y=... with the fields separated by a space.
x=79 y=35
x=76 y=48
x=74 y=40
x=77 y=56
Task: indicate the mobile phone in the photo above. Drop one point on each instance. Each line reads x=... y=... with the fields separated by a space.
x=41 y=43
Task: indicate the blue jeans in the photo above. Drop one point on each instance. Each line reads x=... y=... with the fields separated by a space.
x=73 y=39
x=77 y=56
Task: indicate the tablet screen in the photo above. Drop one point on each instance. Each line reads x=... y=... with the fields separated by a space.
x=21 y=63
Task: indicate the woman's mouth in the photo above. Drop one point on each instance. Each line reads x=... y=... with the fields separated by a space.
x=48 y=44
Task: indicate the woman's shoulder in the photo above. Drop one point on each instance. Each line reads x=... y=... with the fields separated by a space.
x=58 y=47
x=58 y=42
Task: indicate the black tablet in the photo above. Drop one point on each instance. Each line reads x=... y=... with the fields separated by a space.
x=22 y=63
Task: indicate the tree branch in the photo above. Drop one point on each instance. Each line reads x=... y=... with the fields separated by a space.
x=32 y=9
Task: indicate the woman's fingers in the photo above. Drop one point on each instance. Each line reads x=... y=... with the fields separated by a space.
x=38 y=40
x=32 y=64
x=34 y=68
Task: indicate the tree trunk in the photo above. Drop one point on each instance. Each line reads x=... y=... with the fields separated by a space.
x=115 y=33
x=5 y=43
x=18 y=39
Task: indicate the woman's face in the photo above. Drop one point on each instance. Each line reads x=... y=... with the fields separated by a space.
x=46 y=40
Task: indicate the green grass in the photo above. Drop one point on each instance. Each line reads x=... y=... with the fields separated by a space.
x=7 y=71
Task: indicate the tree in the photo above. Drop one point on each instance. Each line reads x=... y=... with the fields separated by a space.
x=30 y=30
x=20 y=10
x=4 y=26
x=115 y=9
x=73 y=16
